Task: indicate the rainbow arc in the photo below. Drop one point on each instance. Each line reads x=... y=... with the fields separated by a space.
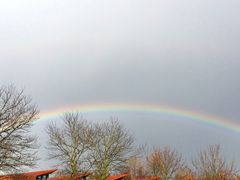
x=147 y=108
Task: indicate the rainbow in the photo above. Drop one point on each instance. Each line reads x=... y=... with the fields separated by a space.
x=146 y=108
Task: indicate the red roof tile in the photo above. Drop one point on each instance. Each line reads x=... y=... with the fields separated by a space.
x=65 y=177
x=116 y=177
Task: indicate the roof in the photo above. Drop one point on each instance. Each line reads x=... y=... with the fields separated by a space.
x=64 y=177
x=26 y=176
x=116 y=177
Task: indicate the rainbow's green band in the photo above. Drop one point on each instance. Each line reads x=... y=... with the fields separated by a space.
x=147 y=108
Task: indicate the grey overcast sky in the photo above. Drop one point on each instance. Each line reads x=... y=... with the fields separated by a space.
x=179 y=53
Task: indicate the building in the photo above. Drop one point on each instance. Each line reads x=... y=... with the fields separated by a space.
x=44 y=175
x=82 y=176
x=36 y=175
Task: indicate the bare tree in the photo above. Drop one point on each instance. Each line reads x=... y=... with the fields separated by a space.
x=210 y=165
x=136 y=165
x=111 y=148
x=136 y=168
x=16 y=116
x=69 y=144
x=164 y=163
